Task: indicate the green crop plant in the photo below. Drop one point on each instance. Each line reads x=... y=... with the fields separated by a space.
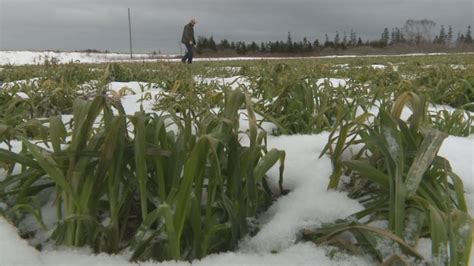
x=179 y=184
x=444 y=85
x=160 y=193
x=398 y=177
x=304 y=106
x=457 y=123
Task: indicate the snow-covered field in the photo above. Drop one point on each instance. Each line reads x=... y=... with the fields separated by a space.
x=308 y=204
x=31 y=57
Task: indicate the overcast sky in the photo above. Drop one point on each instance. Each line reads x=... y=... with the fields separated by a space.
x=157 y=24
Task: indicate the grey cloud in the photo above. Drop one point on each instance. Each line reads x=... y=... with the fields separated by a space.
x=157 y=24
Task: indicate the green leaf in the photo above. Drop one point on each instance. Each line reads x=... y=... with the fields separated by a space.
x=424 y=158
x=370 y=172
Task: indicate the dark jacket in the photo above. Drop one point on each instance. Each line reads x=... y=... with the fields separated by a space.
x=188 y=34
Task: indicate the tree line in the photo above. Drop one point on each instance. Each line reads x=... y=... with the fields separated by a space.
x=414 y=32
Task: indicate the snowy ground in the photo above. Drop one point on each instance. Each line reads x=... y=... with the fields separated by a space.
x=30 y=57
x=308 y=204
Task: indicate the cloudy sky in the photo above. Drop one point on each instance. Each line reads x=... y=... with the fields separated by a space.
x=157 y=24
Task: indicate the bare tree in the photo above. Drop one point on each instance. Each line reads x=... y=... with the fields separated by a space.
x=419 y=31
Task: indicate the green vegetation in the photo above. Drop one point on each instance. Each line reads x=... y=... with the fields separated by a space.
x=399 y=178
x=179 y=183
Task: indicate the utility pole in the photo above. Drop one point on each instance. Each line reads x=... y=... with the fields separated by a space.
x=130 y=33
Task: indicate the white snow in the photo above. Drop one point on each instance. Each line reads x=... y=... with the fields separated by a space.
x=309 y=203
x=460 y=153
x=13 y=249
x=31 y=57
x=334 y=82
x=377 y=66
x=9 y=85
x=134 y=95
x=461 y=67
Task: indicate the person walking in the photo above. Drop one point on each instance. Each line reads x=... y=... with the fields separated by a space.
x=189 y=41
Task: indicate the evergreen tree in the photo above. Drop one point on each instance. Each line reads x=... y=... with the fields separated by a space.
x=393 y=36
x=353 y=38
x=316 y=44
x=200 y=45
x=359 y=42
x=307 y=47
x=385 y=37
x=297 y=47
x=468 y=37
x=398 y=35
x=241 y=48
x=460 y=39
x=449 y=37
x=310 y=48
x=442 y=36
x=305 y=43
x=212 y=44
x=289 y=43
x=224 y=44
x=263 y=48
x=326 y=42
x=337 y=39
x=253 y=47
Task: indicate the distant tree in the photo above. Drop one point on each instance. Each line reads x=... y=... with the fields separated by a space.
x=393 y=36
x=326 y=42
x=460 y=40
x=353 y=38
x=468 y=37
x=263 y=48
x=212 y=44
x=337 y=39
x=309 y=48
x=306 y=46
x=449 y=37
x=224 y=44
x=316 y=45
x=397 y=35
x=344 y=39
x=441 y=37
x=201 y=44
x=360 y=42
x=253 y=47
x=419 y=31
x=289 y=43
x=274 y=47
x=297 y=47
x=241 y=48
x=385 y=39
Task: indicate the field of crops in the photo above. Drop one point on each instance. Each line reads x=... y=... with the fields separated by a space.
x=349 y=161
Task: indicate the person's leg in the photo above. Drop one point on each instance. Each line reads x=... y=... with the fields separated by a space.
x=186 y=55
x=191 y=54
x=188 y=58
